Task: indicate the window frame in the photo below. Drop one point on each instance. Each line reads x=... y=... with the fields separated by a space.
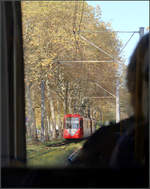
x=12 y=85
x=13 y=122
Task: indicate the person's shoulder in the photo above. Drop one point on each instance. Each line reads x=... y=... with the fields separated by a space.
x=101 y=137
x=109 y=131
x=98 y=134
x=113 y=127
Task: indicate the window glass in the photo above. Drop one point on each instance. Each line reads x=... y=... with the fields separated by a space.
x=72 y=123
x=71 y=59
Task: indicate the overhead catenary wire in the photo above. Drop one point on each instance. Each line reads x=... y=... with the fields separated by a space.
x=81 y=15
x=74 y=16
x=74 y=26
x=77 y=47
x=76 y=32
x=80 y=61
x=106 y=53
x=91 y=31
x=105 y=90
x=90 y=97
x=126 y=43
x=100 y=49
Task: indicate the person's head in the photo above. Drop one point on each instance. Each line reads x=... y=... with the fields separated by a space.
x=138 y=78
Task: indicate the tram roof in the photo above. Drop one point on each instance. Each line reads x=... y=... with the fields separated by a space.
x=72 y=115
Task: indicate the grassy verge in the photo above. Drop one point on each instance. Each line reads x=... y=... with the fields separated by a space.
x=50 y=154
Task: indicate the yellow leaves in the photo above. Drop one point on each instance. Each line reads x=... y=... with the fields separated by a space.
x=46 y=62
x=102 y=24
x=48 y=27
x=31 y=8
x=115 y=66
x=48 y=36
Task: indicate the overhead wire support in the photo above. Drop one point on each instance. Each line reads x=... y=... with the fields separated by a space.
x=105 y=90
x=81 y=16
x=107 y=31
x=90 y=97
x=87 y=61
x=118 y=73
x=74 y=25
x=100 y=49
x=126 y=43
x=102 y=88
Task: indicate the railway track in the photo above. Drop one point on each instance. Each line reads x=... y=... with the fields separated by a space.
x=66 y=142
x=53 y=154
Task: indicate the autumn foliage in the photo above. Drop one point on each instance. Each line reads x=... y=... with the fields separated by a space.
x=54 y=33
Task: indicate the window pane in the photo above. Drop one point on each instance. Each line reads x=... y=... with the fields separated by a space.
x=69 y=69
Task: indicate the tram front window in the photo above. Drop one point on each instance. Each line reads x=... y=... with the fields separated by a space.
x=75 y=126
x=72 y=123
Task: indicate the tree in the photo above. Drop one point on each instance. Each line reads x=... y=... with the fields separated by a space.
x=54 y=31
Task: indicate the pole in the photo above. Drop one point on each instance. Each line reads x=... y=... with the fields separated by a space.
x=117 y=101
x=141 y=32
x=139 y=130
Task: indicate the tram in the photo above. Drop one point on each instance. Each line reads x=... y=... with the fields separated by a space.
x=76 y=126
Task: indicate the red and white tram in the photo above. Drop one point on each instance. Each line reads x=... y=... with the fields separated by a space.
x=76 y=126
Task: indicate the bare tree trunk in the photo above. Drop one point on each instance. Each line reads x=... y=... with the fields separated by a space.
x=66 y=98
x=101 y=115
x=59 y=120
x=46 y=129
x=53 y=118
x=34 y=125
x=69 y=106
x=89 y=112
x=31 y=114
x=28 y=127
x=42 y=109
x=52 y=109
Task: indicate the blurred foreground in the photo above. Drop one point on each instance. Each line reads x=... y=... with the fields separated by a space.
x=51 y=154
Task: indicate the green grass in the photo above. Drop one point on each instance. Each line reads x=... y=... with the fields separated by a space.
x=45 y=155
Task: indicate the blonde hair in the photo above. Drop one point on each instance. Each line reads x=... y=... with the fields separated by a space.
x=138 y=85
x=138 y=75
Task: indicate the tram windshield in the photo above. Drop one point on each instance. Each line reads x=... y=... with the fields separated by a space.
x=72 y=123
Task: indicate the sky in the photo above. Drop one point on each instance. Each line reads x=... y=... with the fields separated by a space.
x=125 y=16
